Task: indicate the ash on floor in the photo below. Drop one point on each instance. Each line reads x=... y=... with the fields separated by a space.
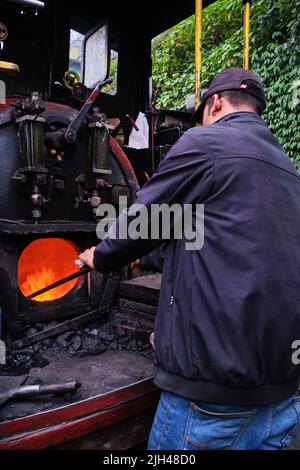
x=97 y=374
x=103 y=355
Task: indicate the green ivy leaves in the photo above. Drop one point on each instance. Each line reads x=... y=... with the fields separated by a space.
x=275 y=56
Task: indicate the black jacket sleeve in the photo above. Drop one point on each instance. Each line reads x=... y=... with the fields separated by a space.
x=184 y=177
x=154 y=261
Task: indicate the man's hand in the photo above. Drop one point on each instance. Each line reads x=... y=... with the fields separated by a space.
x=135 y=264
x=88 y=257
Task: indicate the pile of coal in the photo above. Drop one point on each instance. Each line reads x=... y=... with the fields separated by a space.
x=91 y=339
x=19 y=362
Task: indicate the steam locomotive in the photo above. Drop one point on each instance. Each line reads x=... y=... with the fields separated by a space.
x=76 y=365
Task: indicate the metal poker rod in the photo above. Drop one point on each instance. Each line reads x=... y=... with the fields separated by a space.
x=83 y=270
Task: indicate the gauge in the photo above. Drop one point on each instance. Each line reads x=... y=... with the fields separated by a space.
x=3 y=32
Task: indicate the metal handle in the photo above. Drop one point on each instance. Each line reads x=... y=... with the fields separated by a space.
x=71 y=132
x=79 y=263
x=30 y=391
x=66 y=387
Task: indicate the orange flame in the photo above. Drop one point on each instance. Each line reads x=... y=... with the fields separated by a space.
x=46 y=261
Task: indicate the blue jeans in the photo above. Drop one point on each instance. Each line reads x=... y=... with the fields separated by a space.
x=186 y=425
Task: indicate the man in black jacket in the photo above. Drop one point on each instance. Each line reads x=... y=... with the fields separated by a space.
x=228 y=319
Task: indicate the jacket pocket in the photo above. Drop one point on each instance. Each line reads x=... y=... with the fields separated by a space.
x=214 y=427
x=220 y=411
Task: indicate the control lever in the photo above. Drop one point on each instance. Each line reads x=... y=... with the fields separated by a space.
x=130 y=119
x=70 y=135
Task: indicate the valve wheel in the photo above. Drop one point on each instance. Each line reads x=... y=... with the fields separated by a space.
x=71 y=78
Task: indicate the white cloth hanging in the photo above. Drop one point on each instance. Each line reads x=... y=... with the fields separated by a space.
x=140 y=139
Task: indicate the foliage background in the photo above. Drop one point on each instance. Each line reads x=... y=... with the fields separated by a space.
x=275 y=56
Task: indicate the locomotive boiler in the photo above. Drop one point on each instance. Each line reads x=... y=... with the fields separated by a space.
x=50 y=192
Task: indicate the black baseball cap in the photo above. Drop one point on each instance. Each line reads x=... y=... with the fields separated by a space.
x=233 y=78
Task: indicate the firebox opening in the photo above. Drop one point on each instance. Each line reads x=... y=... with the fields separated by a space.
x=46 y=261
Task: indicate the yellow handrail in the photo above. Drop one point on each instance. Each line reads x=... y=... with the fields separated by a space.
x=198 y=52
x=246 y=61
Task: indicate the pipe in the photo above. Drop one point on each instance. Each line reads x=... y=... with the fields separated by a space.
x=198 y=52
x=37 y=5
x=246 y=60
x=31 y=391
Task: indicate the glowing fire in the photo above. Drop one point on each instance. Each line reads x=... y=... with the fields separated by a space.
x=46 y=261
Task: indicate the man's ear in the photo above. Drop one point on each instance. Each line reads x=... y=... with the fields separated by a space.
x=216 y=104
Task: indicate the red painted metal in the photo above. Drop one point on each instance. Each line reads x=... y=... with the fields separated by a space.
x=70 y=422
